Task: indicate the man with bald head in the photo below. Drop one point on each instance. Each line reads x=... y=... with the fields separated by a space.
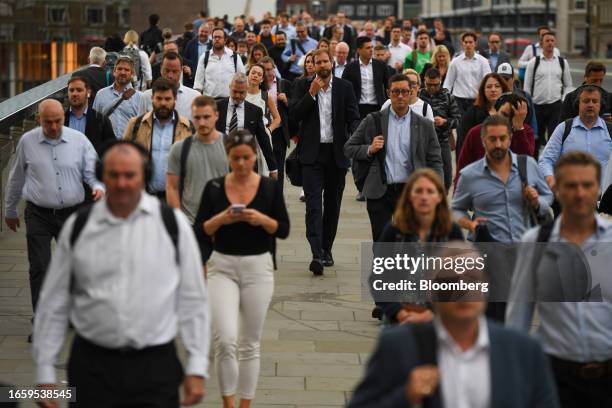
x=51 y=163
x=341 y=59
x=99 y=279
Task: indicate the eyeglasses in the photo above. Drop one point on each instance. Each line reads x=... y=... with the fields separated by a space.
x=433 y=84
x=398 y=92
x=495 y=42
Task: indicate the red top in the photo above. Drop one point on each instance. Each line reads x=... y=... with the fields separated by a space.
x=523 y=142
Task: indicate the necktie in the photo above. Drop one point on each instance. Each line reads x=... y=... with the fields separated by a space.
x=234 y=120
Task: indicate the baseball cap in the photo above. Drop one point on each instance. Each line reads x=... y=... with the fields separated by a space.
x=505 y=69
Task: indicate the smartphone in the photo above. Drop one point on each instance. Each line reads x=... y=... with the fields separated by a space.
x=237 y=208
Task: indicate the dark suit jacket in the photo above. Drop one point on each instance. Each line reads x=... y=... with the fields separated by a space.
x=352 y=73
x=190 y=55
x=96 y=76
x=284 y=131
x=187 y=81
x=503 y=57
x=253 y=121
x=345 y=118
x=98 y=128
x=348 y=36
x=424 y=149
x=521 y=376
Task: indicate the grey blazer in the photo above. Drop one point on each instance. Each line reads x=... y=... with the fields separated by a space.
x=424 y=148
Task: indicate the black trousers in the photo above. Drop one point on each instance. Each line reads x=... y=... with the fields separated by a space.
x=576 y=391
x=107 y=378
x=323 y=178
x=364 y=110
x=464 y=104
x=447 y=163
x=381 y=210
x=42 y=225
x=547 y=117
x=279 y=147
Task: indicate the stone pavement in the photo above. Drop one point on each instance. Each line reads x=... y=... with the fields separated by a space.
x=317 y=335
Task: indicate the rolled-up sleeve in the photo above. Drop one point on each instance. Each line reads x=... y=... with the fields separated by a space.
x=462 y=200
x=16 y=181
x=552 y=151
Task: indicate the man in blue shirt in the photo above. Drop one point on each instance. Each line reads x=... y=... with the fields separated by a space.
x=296 y=49
x=491 y=187
x=589 y=133
x=577 y=336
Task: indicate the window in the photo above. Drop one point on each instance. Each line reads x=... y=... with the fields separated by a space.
x=124 y=17
x=94 y=15
x=579 y=5
x=347 y=9
x=6 y=10
x=57 y=14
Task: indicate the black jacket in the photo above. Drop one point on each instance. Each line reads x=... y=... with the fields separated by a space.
x=444 y=105
x=287 y=122
x=253 y=121
x=276 y=53
x=150 y=39
x=345 y=119
x=348 y=36
x=352 y=73
x=569 y=109
x=97 y=78
x=98 y=128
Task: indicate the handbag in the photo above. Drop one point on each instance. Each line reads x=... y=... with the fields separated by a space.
x=293 y=168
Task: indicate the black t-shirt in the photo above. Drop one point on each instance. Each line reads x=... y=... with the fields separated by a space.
x=241 y=238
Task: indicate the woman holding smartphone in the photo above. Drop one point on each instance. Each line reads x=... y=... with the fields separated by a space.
x=241 y=212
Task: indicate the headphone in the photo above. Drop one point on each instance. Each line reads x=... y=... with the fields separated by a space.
x=144 y=154
x=506 y=97
x=579 y=90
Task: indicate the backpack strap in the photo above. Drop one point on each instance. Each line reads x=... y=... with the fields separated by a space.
x=534 y=49
x=562 y=63
x=545 y=231
x=206 y=57
x=79 y=223
x=567 y=130
x=169 y=219
x=535 y=68
x=378 y=125
x=522 y=169
x=136 y=128
x=609 y=126
x=425 y=105
x=235 y=57
x=183 y=169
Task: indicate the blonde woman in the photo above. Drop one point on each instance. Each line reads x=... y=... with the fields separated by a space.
x=440 y=59
x=143 y=73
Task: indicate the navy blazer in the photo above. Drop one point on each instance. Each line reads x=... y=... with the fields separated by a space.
x=521 y=376
x=190 y=54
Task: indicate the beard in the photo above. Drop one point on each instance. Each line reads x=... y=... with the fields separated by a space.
x=498 y=154
x=324 y=73
x=163 y=113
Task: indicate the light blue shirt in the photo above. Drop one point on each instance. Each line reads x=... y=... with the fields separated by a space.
x=78 y=122
x=493 y=57
x=595 y=141
x=574 y=331
x=161 y=143
x=308 y=44
x=482 y=191
x=202 y=48
x=50 y=172
x=106 y=99
x=398 y=161
x=289 y=30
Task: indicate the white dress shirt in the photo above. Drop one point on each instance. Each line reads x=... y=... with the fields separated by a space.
x=548 y=80
x=399 y=53
x=465 y=74
x=368 y=92
x=184 y=98
x=128 y=289
x=324 y=100
x=215 y=79
x=528 y=54
x=239 y=115
x=50 y=172
x=465 y=375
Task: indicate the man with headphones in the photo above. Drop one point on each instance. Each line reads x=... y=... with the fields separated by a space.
x=127 y=273
x=587 y=132
x=157 y=130
x=50 y=166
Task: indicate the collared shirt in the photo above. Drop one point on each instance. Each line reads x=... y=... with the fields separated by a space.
x=289 y=30
x=184 y=98
x=574 y=331
x=215 y=79
x=106 y=99
x=125 y=295
x=493 y=57
x=399 y=53
x=528 y=54
x=239 y=114
x=50 y=172
x=78 y=122
x=595 y=141
x=548 y=80
x=464 y=75
x=465 y=375
x=324 y=100
x=161 y=144
x=339 y=69
x=308 y=44
x=203 y=47
x=480 y=189
x=398 y=161
x=368 y=92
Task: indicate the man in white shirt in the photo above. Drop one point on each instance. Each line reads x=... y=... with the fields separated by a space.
x=216 y=68
x=126 y=302
x=547 y=78
x=171 y=68
x=534 y=50
x=465 y=73
x=341 y=59
x=399 y=51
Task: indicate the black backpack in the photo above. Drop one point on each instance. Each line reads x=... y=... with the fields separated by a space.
x=535 y=68
x=568 y=129
x=234 y=57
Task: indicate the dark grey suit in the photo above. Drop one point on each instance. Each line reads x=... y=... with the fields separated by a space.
x=501 y=58
x=382 y=197
x=520 y=372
